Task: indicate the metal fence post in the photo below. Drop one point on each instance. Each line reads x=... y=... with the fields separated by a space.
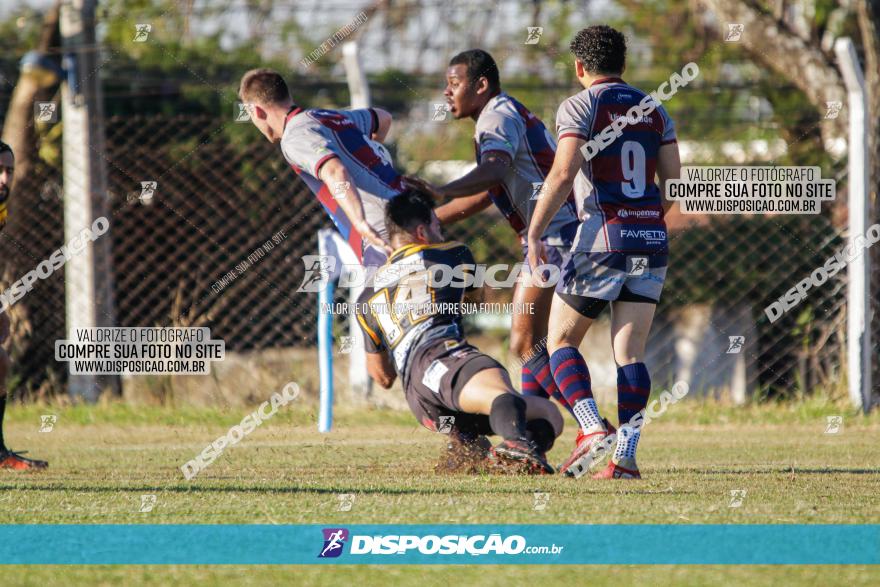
x=88 y=285
x=356 y=76
x=325 y=349
x=858 y=294
x=359 y=382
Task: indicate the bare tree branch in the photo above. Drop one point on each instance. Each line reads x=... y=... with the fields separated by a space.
x=788 y=55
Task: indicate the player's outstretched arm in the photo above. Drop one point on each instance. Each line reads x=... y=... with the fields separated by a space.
x=379 y=367
x=384 y=124
x=336 y=176
x=557 y=186
x=461 y=208
x=489 y=173
x=668 y=167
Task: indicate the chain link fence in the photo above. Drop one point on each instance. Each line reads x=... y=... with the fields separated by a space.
x=219 y=243
x=736 y=266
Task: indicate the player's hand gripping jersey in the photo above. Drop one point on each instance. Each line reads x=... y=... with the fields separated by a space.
x=619 y=203
x=313 y=137
x=506 y=126
x=396 y=312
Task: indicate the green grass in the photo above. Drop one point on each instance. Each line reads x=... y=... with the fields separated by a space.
x=436 y=576
x=104 y=458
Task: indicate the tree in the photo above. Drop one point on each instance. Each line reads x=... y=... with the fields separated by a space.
x=795 y=39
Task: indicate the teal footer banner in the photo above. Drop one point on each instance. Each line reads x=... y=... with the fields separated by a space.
x=439 y=544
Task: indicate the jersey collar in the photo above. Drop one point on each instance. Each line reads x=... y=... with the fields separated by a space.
x=294 y=110
x=489 y=101
x=608 y=80
x=416 y=247
x=405 y=249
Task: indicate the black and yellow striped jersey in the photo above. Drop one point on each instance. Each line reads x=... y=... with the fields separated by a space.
x=418 y=291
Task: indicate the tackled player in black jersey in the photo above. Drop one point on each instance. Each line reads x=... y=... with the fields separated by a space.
x=411 y=317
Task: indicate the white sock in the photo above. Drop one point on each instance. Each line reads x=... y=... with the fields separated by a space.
x=587 y=415
x=627 y=441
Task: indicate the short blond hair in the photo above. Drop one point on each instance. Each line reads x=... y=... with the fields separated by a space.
x=265 y=86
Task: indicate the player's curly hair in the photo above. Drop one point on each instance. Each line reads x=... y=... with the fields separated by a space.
x=4 y=148
x=601 y=49
x=479 y=64
x=405 y=211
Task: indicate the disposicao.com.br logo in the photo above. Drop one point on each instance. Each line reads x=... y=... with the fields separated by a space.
x=334 y=541
x=451 y=544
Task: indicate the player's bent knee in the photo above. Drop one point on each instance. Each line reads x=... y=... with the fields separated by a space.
x=477 y=395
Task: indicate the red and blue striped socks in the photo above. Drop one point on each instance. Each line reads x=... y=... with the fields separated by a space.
x=633 y=391
x=537 y=379
x=573 y=380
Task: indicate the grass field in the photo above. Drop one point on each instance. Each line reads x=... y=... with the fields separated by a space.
x=103 y=459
